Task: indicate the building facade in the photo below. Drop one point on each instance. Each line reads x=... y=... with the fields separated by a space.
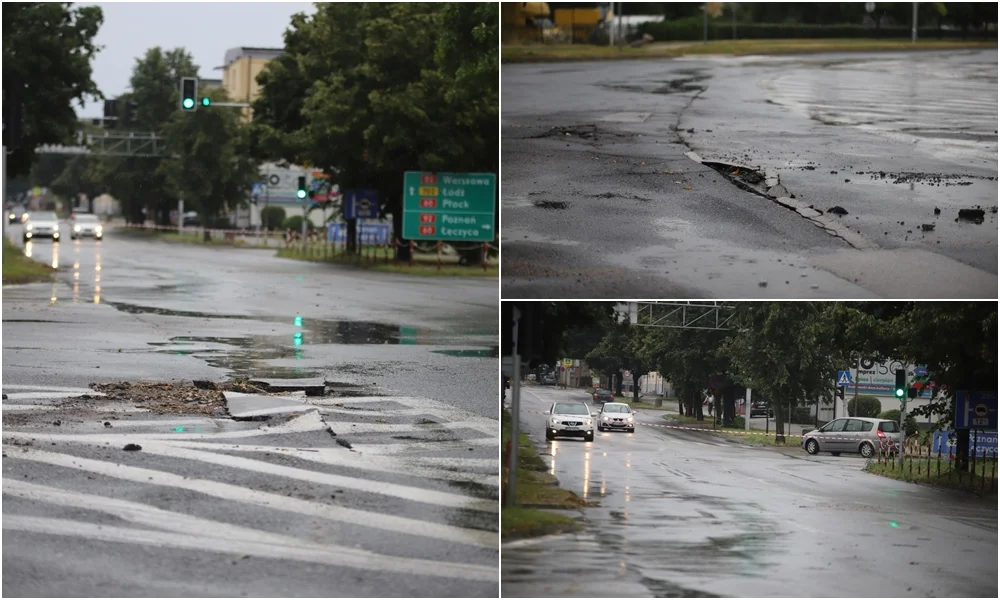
x=239 y=73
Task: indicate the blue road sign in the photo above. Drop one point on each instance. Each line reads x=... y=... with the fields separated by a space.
x=976 y=410
x=843 y=378
x=257 y=190
x=369 y=233
x=920 y=371
x=361 y=204
x=980 y=442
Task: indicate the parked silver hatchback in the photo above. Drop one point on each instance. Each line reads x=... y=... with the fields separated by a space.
x=862 y=435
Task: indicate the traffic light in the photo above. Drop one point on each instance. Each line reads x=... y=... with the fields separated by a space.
x=128 y=113
x=900 y=383
x=189 y=92
x=110 y=113
x=206 y=101
x=302 y=191
x=840 y=392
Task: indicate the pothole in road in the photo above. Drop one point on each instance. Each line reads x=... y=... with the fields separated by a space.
x=551 y=204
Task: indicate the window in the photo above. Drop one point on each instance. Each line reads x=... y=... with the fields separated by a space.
x=617 y=408
x=853 y=425
x=570 y=408
x=834 y=426
x=867 y=425
x=888 y=427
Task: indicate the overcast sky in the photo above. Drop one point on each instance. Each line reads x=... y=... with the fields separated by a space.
x=205 y=29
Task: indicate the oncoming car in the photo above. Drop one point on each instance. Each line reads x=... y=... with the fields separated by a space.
x=569 y=419
x=862 y=435
x=602 y=395
x=41 y=224
x=616 y=415
x=84 y=225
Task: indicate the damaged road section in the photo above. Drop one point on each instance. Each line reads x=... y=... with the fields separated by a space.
x=768 y=185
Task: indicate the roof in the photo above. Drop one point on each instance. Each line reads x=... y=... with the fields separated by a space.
x=234 y=54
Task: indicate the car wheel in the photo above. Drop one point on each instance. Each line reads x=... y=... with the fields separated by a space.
x=599 y=428
x=812 y=447
x=867 y=450
x=589 y=437
x=835 y=453
x=549 y=436
x=26 y=239
x=632 y=430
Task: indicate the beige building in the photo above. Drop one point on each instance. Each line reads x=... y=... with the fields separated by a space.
x=239 y=74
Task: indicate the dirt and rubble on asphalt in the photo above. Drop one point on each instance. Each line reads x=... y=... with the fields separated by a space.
x=200 y=397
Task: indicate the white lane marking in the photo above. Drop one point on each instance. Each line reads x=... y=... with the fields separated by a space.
x=340 y=556
x=425 y=446
x=417 y=403
x=341 y=457
x=29 y=407
x=414 y=494
x=77 y=390
x=342 y=427
x=235 y=493
x=275 y=411
x=44 y=395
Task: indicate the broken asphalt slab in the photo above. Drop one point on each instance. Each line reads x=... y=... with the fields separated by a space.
x=252 y=406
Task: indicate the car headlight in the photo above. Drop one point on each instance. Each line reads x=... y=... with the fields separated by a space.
x=76 y=228
x=30 y=227
x=99 y=229
x=589 y=422
x=630 y=419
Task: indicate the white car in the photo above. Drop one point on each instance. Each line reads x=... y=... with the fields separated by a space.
x=41 y=224
x=83 y=225
x=569 y=419
x=616 y=415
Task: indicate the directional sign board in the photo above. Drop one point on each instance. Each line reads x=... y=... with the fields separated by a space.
x=976 y=410
x=451 y=207
x=361 y=204
x=843 y=378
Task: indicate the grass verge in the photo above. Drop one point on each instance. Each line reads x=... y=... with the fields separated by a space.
x=18 y=268
x=579 y=52
x=424 y=265
x=536 y=488
x=755 y=438
x=982 y=481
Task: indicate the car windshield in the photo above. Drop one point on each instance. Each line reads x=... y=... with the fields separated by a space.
x=86 y=218
x=617 y=408
x=888 y=426
x=570 y=408
x=42 y=216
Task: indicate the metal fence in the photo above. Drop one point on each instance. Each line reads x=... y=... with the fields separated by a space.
x=920 y=462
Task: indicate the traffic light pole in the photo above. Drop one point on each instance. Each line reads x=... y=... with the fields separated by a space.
x=515 y=414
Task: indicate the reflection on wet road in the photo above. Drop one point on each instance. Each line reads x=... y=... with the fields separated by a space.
x=684 y=513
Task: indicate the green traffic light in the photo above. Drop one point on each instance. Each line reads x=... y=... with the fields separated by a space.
x=298 y=322
x=301 y=194
x=189 y=103
x=900 y=393
x=206 y=101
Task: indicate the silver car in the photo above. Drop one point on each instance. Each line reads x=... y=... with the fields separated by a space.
x=84 y=225
x=616 y=415
x=569 y=419
x=41 y=224
x=862 y=435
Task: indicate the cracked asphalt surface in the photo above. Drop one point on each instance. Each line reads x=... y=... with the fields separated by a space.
x=385 y=486
x=604 y=186
x=695 y=514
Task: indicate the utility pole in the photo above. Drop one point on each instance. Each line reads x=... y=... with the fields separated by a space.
x=732 y=6
x=913 y=36
x=515 y=413
x=704 y=8
x=620 y=37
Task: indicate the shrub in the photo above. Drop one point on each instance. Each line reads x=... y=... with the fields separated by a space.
x=739 y=422
x=272 y=217
x=295 y=224
x=802 y=414
x=864 y=406
x=892 y=415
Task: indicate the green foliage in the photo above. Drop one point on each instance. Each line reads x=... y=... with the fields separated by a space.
x=864 y=406
x=366 y=91
x=692 y=29
x=891 y=415
x=272 y=217
x=295 y=224
x=801 y=414
x=739 y=422
x=211 y=167
x=47 y=52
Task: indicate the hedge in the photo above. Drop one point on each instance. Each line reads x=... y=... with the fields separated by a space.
x=864 y=406
x=295 y=224
x=272 y=217
x=692 y=29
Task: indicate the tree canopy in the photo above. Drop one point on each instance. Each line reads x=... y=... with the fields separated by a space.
x=48 y=48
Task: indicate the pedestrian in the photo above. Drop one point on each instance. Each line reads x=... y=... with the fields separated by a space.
x=710 y=405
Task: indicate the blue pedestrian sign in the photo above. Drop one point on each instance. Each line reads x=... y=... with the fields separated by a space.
x=920 y=371
x=976 y=410
x=361 y=204
x=257 y=189
x=843 y=378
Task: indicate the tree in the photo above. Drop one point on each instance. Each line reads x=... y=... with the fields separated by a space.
x=211 y=167
x=47 y=52
x=366 y=91
x=621 y=349
x=687 y=357
x=957 y=342
x=548 y=330
x=81 y=175
x=142 y=182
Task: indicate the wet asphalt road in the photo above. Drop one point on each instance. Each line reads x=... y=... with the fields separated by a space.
x=212 y=506
x=684 y=513
x=601 y=191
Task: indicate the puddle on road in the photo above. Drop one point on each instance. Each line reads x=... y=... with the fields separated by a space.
x=491 y=353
